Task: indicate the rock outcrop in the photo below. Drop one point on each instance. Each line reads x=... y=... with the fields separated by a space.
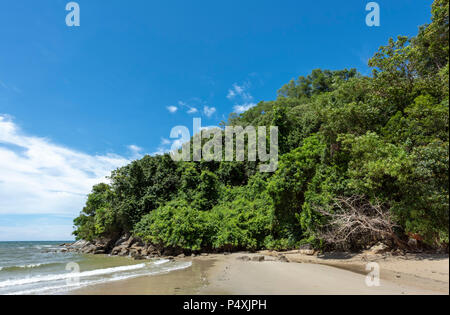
x=101 y=246
x=126 y=245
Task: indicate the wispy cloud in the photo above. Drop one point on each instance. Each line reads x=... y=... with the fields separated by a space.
x=172 y=109
x=165 y=141
x=241 y=96
x=10 y=87
x=165 y=146
x=239 y=109
x=136 y=151
x=197 y=106
x=240 y=92
x=38 y=176
x=190 y=109
x=209 y=111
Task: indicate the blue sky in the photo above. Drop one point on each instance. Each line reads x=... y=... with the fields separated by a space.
x=77 y=102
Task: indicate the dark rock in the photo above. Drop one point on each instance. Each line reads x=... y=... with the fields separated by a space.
x=122 y=240
x=244 y=258
x=152 y=250
x=139 y=257
x=379 y=248
x=88 y=249
x=137 y=246
x=283 y=258
x=105 y=244
x=134 y=240
x=129 y=245
x=144 y=251
x=171 y=251
x=78 y=245
x=258 y=258
x=116 y=250
x=134 y=252
x=412 y=243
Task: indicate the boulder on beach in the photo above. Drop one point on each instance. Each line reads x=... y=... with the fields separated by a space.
x=244 y=258
x=258 y=258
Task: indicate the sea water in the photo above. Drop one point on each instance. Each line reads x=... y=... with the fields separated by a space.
x=44 y=268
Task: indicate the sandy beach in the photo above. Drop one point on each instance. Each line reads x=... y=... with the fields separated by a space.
x=302 y=275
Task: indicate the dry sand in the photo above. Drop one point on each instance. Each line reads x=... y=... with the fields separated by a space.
x=429 y=272
x=304 y=275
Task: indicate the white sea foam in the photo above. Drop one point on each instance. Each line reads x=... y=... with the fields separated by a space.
x=69 y=287
x=178 y=267
x=43 y=246
x=162 y=261
x=91 y=273
x=30 y=266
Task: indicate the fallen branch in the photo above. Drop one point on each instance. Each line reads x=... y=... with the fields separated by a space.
x=357 y=223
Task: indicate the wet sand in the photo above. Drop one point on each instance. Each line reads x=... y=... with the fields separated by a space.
x=187 y=281
x=227 y=275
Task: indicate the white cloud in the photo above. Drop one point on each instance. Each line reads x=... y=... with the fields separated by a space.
x=231 y=94
x=165 y=141
x=242 y=98
x=239 y=91
x=166 y=146
x=172 y=109
x=209 y=111
x=134 y=148
x=239 y=109
x=192 y=110
x=136 y=151
x=40 y=177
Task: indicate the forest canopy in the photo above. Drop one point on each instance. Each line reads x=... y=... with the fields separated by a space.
x=375 y=147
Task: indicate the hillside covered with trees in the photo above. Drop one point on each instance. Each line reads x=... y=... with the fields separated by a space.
x=363 y=159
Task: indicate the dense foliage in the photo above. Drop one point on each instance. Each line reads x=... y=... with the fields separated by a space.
x=383 y=137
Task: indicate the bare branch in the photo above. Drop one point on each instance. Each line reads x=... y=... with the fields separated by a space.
x=357 y=223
